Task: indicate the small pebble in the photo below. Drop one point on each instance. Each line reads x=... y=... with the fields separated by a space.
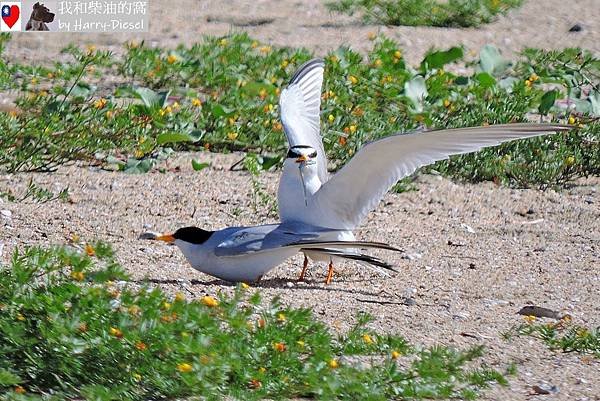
x=289 y=284
x=576 y=28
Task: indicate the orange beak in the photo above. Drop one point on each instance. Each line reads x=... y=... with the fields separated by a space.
x=301 y=159
x=168 y=238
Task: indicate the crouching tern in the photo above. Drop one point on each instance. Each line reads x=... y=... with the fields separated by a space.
x=244 y=254
x=309 y=194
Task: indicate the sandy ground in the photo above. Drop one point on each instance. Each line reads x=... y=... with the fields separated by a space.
x=524 y=246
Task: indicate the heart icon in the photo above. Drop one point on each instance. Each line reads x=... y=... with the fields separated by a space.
x=10 y=15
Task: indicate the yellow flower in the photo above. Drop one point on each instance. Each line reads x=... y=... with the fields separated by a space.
x=19 y=390
x=353 y=80
x=284 y=63
x=281 y=317
x=342 y=140
x=569 y=161
x=134 y=310
x=232 y=135
x=179 y=297
x=20 y=317
x=279 y=347
x=367 y=339
x=334 y=59
x=196 y=102
x=533 y=77
x=34 y=81
x=109 y=114
x=300 y=343
x=397 y=54
x=171 y=59
x=378 y=63
x=245 y=286
x=395 y=354
x=262 y=93
x=100 y=103
x=265 y=49
x=277 y=126
x=89 y=249
x=371 y=35
x=262 y=369
x=529 y=319
x=115 y=332
x=333 y=364
x=261 y=323
x=140 y=346
x=254 y=44
x=572 y=120
x=77 y=276
x=43 y=94
x=277 y=91
x=331 y=118
x=352 y=129
x=447 y=103
x=223 y=42
x=528 y=83
x=137 y=377
x=209 y=301
x=166 y=305
x=184 y=367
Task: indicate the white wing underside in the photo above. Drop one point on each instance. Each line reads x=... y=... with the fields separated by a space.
x=300 y=105
x=344 y=201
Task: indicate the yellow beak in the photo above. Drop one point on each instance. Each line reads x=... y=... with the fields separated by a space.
x=301 y=159
x=166 y=238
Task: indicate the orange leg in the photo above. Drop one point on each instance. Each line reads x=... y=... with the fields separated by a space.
x=329 y=273
x=301 y=278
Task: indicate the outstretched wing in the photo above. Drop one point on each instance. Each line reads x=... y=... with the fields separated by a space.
x=345 y=200
x=300 y=105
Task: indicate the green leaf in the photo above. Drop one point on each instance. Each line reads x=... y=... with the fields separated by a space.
x=486 y=80
x=135 y=166
x=440 y=58
x=491 y=61
x=547 y=101
x=7 y=378
x=149 y=97
x=219 y=111
x=173 y=137
x=594 y=98
x=416 y=91
x=197 y=166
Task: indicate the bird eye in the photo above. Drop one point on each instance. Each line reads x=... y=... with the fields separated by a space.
x=293 y=153
x=313 y=154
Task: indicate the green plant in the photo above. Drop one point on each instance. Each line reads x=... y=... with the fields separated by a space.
x=451 y=13
x=70 y=326
x=222 y=94
x=562 y=335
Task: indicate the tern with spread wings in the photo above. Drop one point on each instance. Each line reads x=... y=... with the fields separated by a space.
x=340 y=202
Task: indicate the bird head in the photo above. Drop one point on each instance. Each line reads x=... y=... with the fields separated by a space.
x=303 y=157
x=186 y=235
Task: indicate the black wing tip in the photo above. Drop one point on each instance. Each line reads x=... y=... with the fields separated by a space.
x=359 y=257
x=306 y=68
